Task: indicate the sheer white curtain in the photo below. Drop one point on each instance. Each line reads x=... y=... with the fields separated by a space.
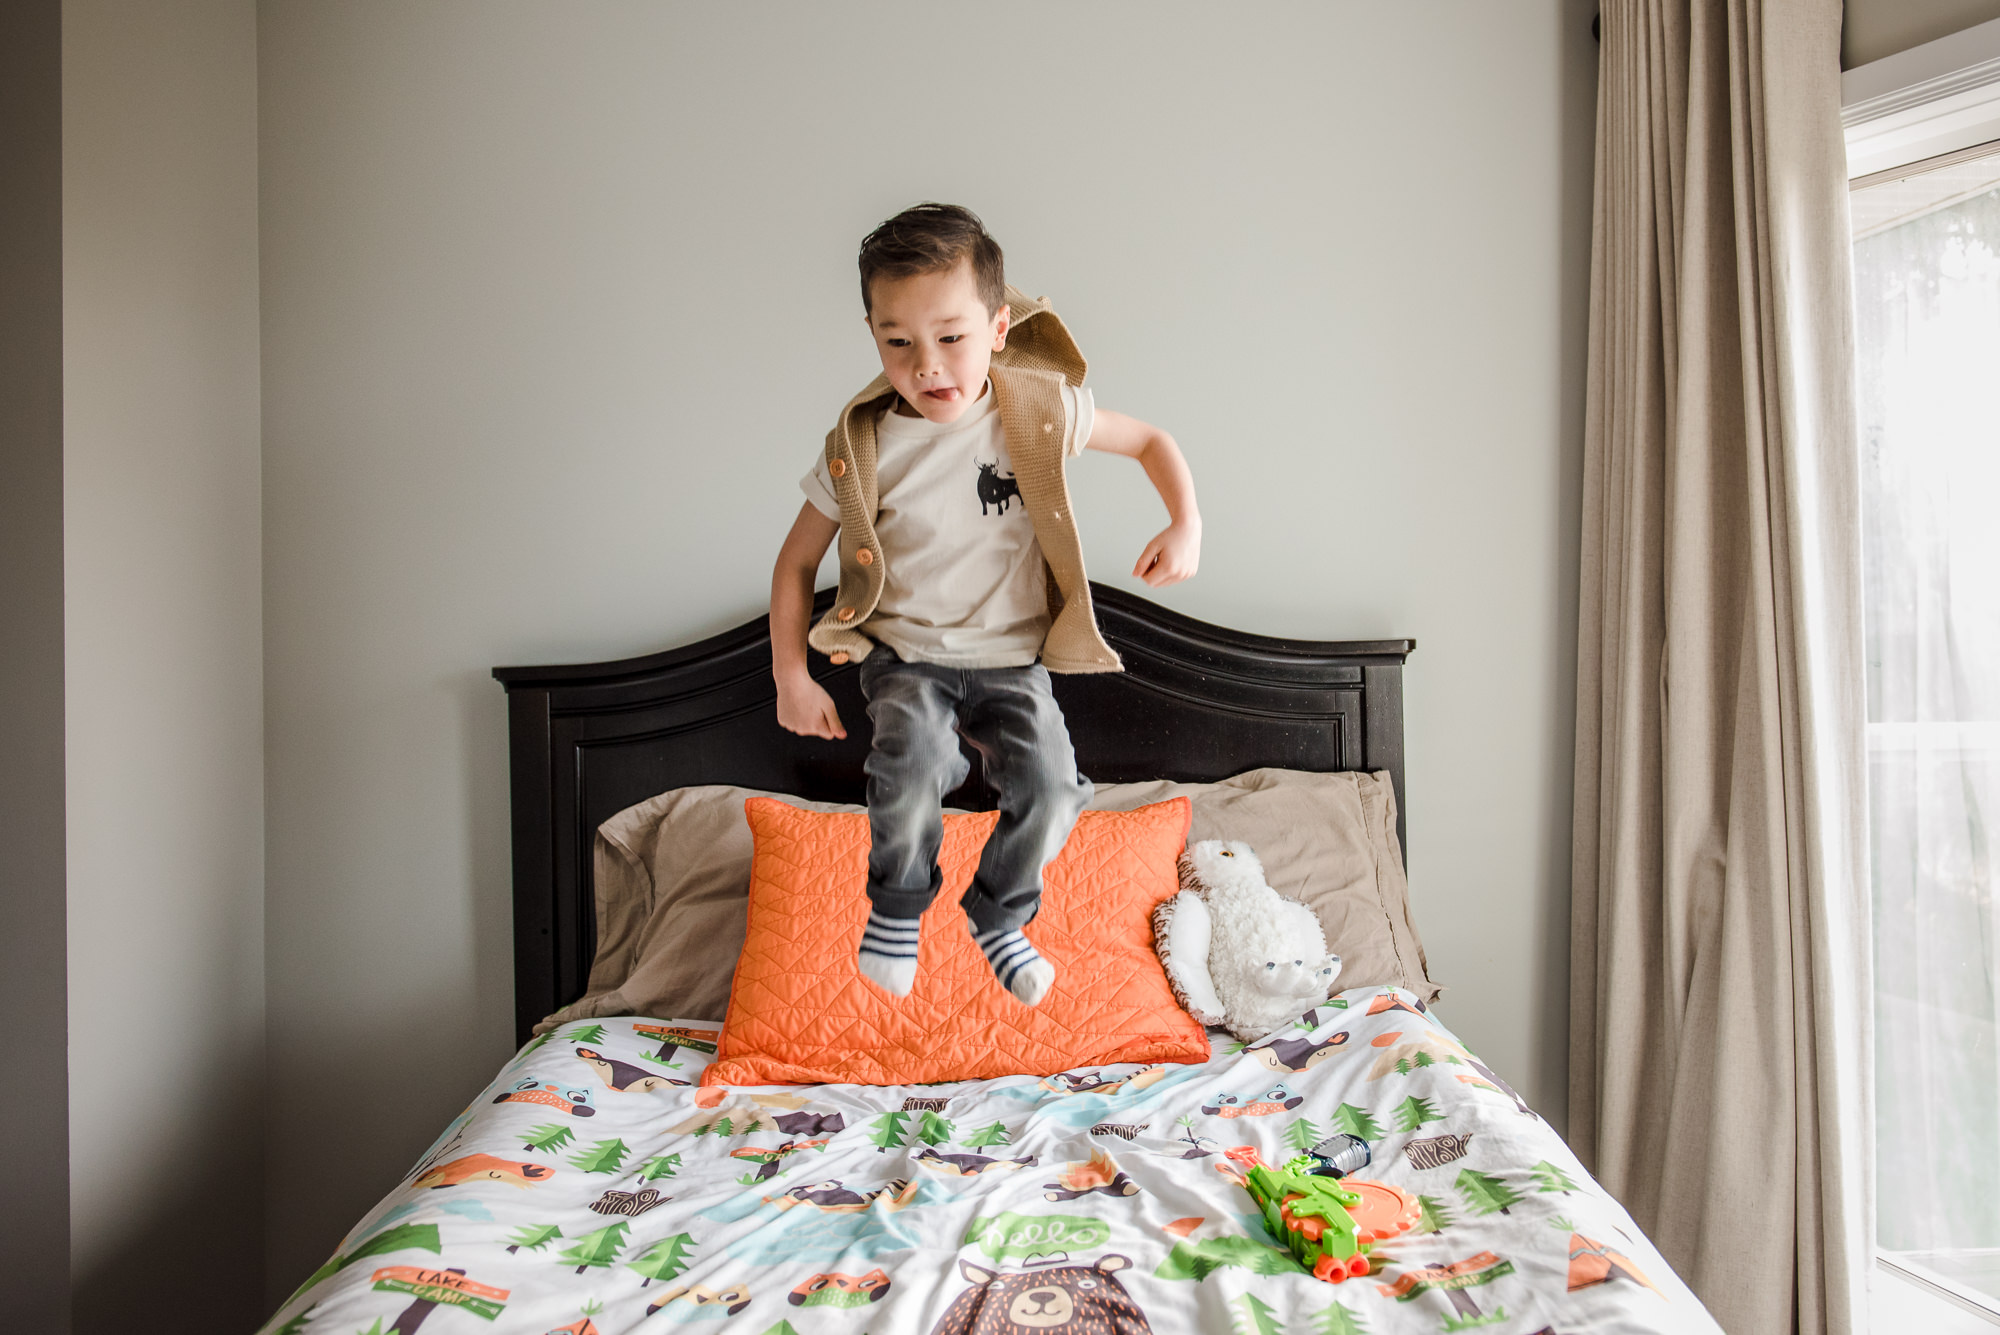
x=1927 y=302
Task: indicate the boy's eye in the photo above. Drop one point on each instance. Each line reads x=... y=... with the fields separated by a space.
x=899 y=342
x=951 y=338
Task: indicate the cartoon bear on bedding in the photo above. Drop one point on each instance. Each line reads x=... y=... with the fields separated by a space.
x=1068 y=1300
x=1289 y=1056
x=835 y=1197
x=970 y=1165
x=698 y=1302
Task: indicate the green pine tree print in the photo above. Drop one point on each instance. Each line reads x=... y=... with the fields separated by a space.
x=589 y=1033
x=1433 y=1215
x=886 y=1132
x=724 y=1127
x=1403 y=1066
x=400 y=1237
x=1302 y=1134
x=533 y=1045
x=1425 y=1059
x=598 y=1250
x=1356 y=1122
x=297 y=1325
x=532 y=1236
x=1337 y=1320
x=549 y=1137
x=1485 y=1192
x=993 y=1133
x=933 y=1129
x=782 y=1328
x=603 y=1157
x=375 y=1327
x=1413 y=1112
x=664 y=1259
x=1549 y=1178
x=666 y=1165
x=1257 y=1316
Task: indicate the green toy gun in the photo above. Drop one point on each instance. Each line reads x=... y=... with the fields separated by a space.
x=1329 y=1226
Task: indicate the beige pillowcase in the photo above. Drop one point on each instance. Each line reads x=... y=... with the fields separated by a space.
x=1327 y=840
x=673 y=891
x=673 y=878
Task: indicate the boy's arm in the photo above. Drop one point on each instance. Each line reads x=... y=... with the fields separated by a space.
x=804 y=707
x=1175 y=551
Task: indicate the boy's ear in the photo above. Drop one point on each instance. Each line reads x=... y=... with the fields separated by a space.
x=1001 y=319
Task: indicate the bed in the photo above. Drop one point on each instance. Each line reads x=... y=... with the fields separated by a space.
x=598 y=1186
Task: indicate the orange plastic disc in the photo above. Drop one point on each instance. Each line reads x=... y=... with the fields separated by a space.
x=1384 y=1210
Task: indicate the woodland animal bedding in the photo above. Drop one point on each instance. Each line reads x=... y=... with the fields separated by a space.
x=594 y=1188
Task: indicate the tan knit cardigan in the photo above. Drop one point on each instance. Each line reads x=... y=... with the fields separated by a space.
x=1028 y=375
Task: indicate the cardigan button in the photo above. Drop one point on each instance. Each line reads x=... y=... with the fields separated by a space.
x=847 y=614
x=1048 y=426
x=838 y=660
x=838 y=468
x=865 y=557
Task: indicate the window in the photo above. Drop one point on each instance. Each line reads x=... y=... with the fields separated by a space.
x=1927 y=306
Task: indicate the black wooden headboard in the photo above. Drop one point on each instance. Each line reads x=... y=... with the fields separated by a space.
x=1196 y=702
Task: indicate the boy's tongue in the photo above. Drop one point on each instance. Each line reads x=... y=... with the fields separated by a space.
x=947 y=395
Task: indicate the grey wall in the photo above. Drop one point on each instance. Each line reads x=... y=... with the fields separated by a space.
x=1873 y=29
x=558 y=302
x=34 y=1123
x=161 y=557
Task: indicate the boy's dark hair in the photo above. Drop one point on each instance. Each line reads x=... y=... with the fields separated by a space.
x=928 y=238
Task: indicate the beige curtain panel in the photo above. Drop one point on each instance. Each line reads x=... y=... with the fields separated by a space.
x=1720 y=1035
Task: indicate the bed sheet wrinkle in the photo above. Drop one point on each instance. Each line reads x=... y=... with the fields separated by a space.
x=594 y=1188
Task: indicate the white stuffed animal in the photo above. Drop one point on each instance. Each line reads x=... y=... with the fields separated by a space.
x=1238 y=953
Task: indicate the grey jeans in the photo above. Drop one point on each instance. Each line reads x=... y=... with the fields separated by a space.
x=920 y=710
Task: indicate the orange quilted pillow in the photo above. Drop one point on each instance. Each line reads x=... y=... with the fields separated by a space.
x=801 y=1013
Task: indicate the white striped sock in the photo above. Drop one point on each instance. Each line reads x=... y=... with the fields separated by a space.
x=1017 y=964
x=888 y=953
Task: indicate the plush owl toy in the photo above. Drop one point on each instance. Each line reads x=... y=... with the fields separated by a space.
x=1238 y=953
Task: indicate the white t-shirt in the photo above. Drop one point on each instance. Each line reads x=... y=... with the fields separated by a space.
x=965 y=586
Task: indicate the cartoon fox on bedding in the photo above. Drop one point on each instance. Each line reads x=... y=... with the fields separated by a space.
x=485 y=1168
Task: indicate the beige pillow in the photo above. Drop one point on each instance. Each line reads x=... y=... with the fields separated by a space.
x=673 y=882
x=672 y=887
x=1327 y=840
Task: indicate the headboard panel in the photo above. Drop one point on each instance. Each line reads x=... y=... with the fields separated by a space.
x=1196 y=702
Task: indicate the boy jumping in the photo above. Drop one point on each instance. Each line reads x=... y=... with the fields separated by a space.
x=961 y=579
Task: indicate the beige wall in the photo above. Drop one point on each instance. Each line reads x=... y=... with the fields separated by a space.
x=558 y=302
x=161 y=555
x=1876 y=28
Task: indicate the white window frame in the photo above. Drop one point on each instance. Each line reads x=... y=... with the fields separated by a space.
x=1922 y=103
x=1900 y=113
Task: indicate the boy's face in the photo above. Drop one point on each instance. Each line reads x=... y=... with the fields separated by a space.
x=936 y=339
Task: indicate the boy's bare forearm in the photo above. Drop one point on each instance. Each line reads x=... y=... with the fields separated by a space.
x=1167 y=469
x=792 y=590
x=1175 y=552
x=791 y=617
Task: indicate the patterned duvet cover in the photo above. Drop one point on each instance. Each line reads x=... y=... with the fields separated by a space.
x=593 y=1189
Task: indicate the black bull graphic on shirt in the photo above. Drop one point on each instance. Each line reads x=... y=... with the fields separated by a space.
x=996 y=488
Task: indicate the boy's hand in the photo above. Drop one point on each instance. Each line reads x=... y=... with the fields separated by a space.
x=1171 y=556
x=805 y=708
